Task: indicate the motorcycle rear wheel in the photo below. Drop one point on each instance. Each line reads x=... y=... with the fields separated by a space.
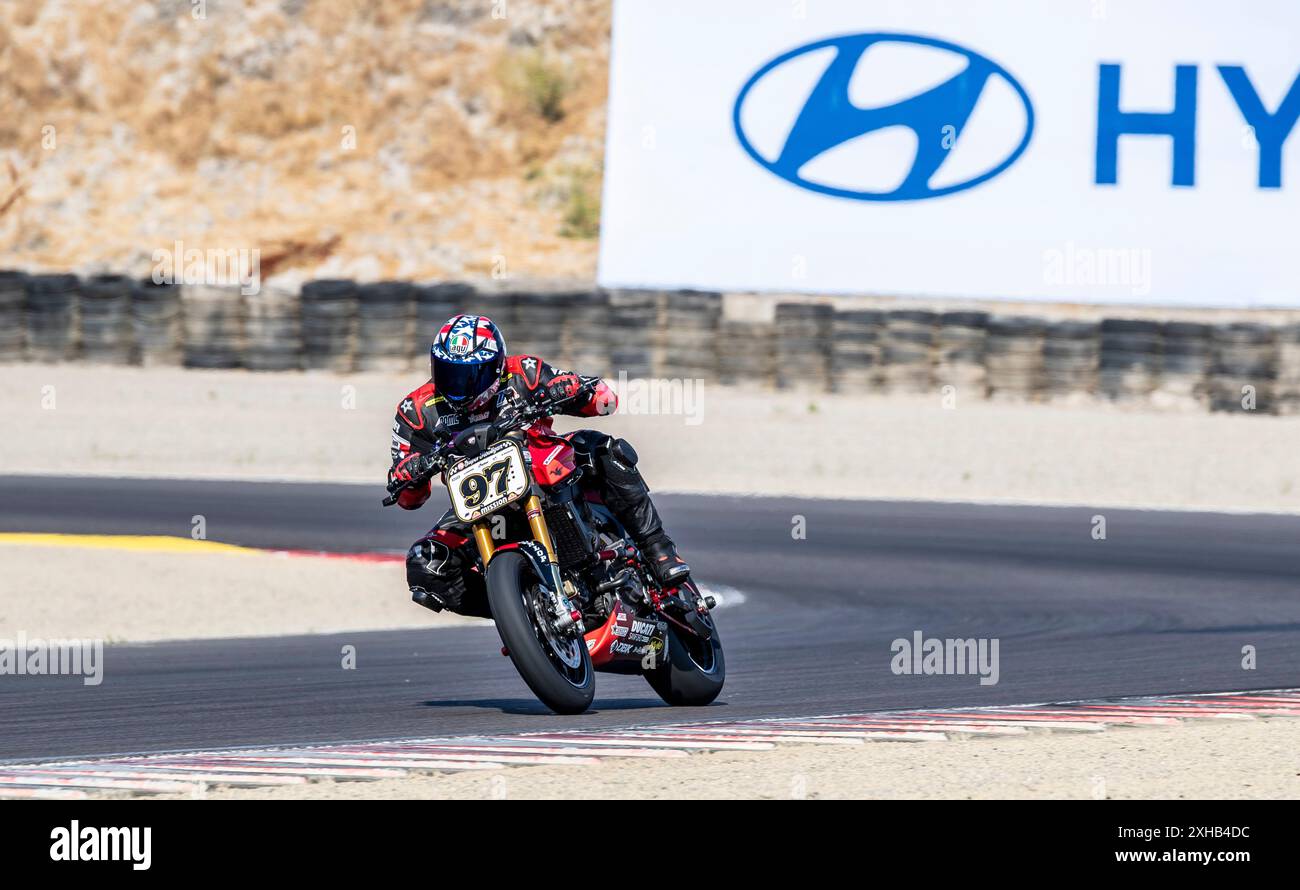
x=692 y=671
x=557 y=669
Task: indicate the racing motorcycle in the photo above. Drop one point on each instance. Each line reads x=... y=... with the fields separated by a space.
x=569 y=592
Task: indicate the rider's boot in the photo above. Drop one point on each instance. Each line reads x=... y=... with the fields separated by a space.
x=669 y=569
x=628 y=496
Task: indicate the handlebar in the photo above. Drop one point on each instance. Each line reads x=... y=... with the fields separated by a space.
x=523 y=415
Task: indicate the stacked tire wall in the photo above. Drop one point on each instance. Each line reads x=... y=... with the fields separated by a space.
x=337 y=325
x=13 y=326
x=107 y=337
x=329 y=324
x=52 y=306
x=385 y=318
x=156 y=324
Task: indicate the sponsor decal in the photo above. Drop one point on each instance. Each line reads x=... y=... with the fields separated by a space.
x=642 y=631
x=938 y=117
x=460 y=343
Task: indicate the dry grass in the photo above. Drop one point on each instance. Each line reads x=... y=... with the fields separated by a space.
x=362 y=139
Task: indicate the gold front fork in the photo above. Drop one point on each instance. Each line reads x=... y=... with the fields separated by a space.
x=536 y=522
x=483 y=538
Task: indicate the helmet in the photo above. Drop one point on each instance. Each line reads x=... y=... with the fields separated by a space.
x=466 y=361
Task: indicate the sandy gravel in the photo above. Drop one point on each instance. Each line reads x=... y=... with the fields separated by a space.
x=1204 y=759
x=156 y=596
x=236 y=424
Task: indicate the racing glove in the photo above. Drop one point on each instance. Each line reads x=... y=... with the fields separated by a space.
x=412 y=468
x=563 y=387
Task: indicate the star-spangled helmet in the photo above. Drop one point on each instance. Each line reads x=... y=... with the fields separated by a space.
x=466 y=361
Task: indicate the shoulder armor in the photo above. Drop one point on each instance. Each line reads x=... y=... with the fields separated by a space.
x=526 y=367
x=411 y=408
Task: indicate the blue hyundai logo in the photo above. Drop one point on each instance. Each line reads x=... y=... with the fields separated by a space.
x=936 y=116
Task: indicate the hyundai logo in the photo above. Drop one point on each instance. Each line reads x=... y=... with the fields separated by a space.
x=892 y=117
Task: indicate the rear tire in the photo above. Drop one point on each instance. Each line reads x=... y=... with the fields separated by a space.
x=564 y=687
x=693 y=671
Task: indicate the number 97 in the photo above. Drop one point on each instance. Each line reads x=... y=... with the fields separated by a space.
x=473 y=488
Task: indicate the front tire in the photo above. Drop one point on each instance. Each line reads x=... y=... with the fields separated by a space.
x=693 y=671
x=557 y=670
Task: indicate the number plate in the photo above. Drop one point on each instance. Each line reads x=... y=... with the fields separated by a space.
x=484 y=484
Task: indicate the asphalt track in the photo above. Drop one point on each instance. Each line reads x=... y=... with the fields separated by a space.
x=1164 y=604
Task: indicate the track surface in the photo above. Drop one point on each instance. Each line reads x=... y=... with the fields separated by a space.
x=1164 y=604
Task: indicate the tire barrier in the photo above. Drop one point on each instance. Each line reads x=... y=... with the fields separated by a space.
x=910 y=337
x=960 y=352
x=746 y=352
x=584 y=348
x=688 y=334
x=537 y=323
x=106 y=334
x=156 y=323
x=1071 y=354
x=213 y=322
x=1244 y=369
x=51 y=310
x=857 y=343
x=1013 y=352
x=1186 y=356
x=337 y=325
x=329 y=323
x=385 y=322
x=273 y=330
x=1130 y=358
x=1286 y=393
x=803 y=332
x=13 y=327
x=630 y=333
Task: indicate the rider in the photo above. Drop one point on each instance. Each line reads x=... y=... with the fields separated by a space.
x=471 y=375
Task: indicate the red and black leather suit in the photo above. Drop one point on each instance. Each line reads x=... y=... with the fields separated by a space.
x=439 y=568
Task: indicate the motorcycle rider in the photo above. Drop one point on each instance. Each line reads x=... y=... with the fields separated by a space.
x=470 y=377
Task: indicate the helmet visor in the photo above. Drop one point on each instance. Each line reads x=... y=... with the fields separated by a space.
x=460 y=382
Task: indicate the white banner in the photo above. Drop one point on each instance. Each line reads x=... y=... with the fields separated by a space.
x=1107 y=151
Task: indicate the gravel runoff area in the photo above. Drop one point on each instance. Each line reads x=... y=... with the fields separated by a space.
x=1196 y=760
x=227 y=593
x=235 y=424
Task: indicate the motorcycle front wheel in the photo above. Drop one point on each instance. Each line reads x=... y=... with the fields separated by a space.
x=557 y=668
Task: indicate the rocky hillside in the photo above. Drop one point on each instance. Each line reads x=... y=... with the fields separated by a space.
x=365 y=138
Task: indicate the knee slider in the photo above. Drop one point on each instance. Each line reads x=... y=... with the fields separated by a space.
x=429 y=557
x=438 y=573
x=433 y=567
x=622 y=451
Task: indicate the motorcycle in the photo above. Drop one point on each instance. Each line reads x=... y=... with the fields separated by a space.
x=569 y=592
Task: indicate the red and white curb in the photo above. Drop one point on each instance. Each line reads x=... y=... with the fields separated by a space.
x=193 y=772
